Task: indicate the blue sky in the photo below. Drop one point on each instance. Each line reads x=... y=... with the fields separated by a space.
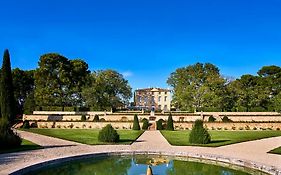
x=145 y=40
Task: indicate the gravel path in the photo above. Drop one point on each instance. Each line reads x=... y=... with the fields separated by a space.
x=150 y=141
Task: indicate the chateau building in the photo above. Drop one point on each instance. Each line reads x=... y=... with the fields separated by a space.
x=153 y=99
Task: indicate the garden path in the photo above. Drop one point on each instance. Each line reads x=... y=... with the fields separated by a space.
x=150 y=141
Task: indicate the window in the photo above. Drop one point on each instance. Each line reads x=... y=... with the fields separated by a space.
x=165 y=99
x=165 y=108
x=159 y=106
x=159 y=98
x=166 y=93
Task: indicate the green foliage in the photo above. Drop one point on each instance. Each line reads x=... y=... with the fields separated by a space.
x=170 y=123
x=8 y=139
x=145 y=124
x=29 y=105
x=58 y=81
x=26 y=124
x=226 y=119
x=198 y=86
x=7 y=100
x=159 y=124
x=108 y=134
x=96 y=118
x=199 y=134
x=23 y=82
x=136 y=124
x=107 y=90
x=211 y=119
x=83 y=118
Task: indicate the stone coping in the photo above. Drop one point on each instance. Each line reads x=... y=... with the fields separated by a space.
x=208 y=158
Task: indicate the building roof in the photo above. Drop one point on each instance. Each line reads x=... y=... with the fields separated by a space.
x=153 y=89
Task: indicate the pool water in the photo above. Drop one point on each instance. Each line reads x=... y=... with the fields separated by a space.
x=137 y=165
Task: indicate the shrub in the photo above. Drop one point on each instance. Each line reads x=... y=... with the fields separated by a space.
x=26 y=124
x=108 y=134
x=211 y=119
x=247 y=127
x=8 y=139
x=159 y=124
x=96 y=118
x=254 y=128
x=170 y=123
x=145 y=124
x=136 y=124
x=233 y=128
x=199 y=134
x=226 y=119
x=83 y=118
x=102 y=120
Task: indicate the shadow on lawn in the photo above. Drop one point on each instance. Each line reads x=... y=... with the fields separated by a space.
x=218 y=141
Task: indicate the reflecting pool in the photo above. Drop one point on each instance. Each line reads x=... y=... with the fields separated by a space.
x=138 y=164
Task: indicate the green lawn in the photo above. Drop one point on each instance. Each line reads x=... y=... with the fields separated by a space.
x=87 y=136
x=219 y=138
x=276 y=151
x=25 y=145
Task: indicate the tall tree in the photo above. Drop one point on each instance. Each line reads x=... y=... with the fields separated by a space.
x=23 y=82
x=53 y=81
x=79 y=78
x=7 y=91
x=107 y=89
x=197 y=87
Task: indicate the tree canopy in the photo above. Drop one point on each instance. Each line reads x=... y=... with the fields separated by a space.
x=107 y=89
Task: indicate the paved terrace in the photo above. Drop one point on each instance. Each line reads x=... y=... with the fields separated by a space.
x=251 y=154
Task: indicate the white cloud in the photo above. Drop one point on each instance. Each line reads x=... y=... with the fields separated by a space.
x=127 y=74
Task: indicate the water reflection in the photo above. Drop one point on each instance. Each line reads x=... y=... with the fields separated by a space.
x=137 y=165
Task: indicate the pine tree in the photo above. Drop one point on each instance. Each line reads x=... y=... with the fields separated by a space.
x=6 y=90
x=136 y=125
x=170 y=123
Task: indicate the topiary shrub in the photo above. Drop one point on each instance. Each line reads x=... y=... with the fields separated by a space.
x=96 y=118
x=145 y=124
x=159 y=124
x=136 y=124
x=108 y=134
x=8 y=139
x=170 y=123
x=199 y=134
x=226 y=119
x=26 y=124
x=83 y=118
x=211 y=119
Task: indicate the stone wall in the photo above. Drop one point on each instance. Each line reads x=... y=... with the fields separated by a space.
x=178 y=126
x=236 y=117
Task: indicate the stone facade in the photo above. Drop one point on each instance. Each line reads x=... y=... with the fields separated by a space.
x=178 y=126
x=153 y=98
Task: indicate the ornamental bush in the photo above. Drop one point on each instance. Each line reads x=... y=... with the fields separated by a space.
x=96 y=118
x=136 y=125
x=226 y=119
x=26 y=124
x=199 y=134
x=159 y=124
x=108 y=134
x=170 y=123
x=83 y=118
x=211 y=119
x=145 y=124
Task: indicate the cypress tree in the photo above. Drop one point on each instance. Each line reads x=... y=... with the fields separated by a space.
x=136 y=124
x=8 y=139
x=170 y=123
x=7 y=100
